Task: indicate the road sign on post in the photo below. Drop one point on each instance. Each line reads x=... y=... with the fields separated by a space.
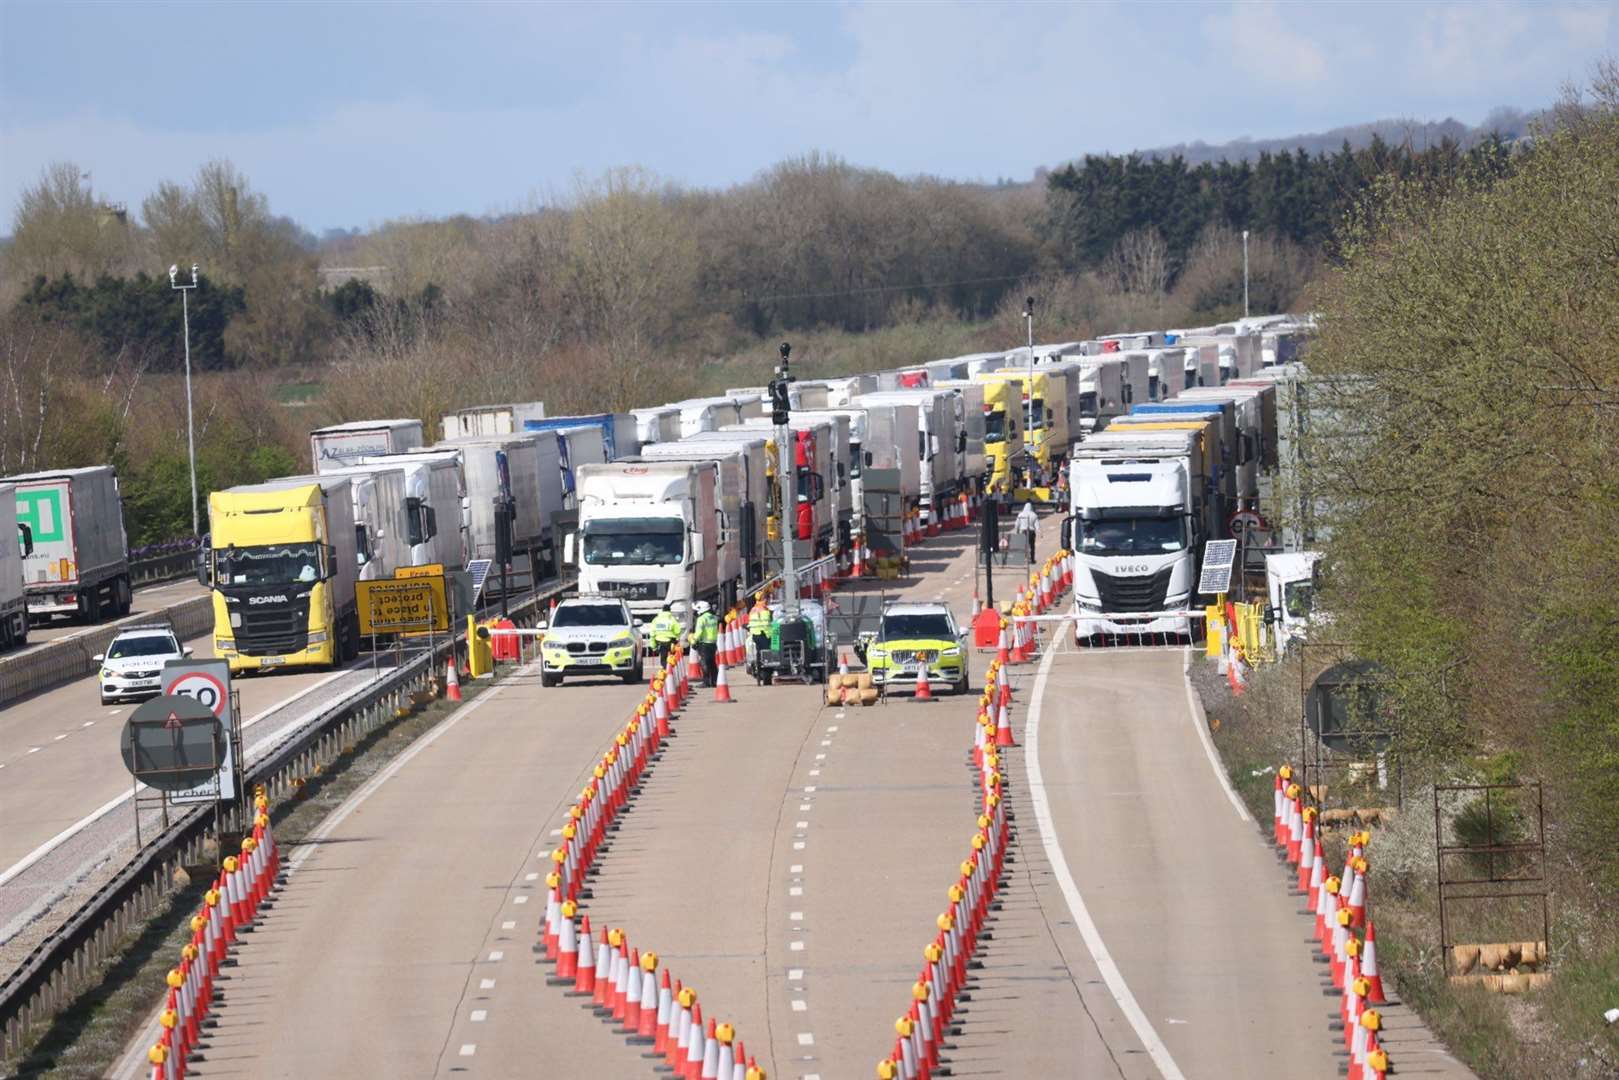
x=207 y=682
x=174 y=744
x=409 y=606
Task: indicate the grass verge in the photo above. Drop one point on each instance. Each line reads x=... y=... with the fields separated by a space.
x=85 y=1041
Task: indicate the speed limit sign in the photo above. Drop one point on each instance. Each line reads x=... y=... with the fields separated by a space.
x=207 y=682
x=1244 y=522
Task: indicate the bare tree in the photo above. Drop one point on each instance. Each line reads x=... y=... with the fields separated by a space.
x=60 y=227
x=1139 y=265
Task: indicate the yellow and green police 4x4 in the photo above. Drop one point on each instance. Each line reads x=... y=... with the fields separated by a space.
x=913 y=635
x=590 y=635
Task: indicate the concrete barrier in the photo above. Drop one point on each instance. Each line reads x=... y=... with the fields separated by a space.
x=62 y=661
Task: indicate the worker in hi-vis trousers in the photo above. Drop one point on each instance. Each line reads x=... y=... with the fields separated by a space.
x=705 y=635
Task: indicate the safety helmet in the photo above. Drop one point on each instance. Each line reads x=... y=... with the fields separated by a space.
x=701 y=607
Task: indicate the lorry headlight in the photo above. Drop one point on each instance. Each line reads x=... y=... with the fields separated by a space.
x=1091 y=603
x=318 y=638
x=224 y=644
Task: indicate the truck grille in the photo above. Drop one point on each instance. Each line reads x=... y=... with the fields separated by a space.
x=635 y=590
x=1144 y=593
x=272 y=629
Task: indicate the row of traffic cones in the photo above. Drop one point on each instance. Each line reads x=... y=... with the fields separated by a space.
x=920 y=1030
x=1339 y=903
x=229 y=909
x=626 y=987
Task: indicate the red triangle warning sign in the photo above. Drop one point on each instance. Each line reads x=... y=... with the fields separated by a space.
x=173 y=721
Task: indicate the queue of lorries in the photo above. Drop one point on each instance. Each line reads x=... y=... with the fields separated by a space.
x=1158 y=438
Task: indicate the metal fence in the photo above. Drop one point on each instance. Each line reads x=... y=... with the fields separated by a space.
x=61 y=661
x=69 y=959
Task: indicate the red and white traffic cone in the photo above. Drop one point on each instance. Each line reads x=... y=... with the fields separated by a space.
x=722 y=687
x=1003 y=727
x=923 y=691
x=1368 y=967
x=452 y=681
x=584 y=979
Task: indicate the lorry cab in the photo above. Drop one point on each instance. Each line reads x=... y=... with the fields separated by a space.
x=1290 y=578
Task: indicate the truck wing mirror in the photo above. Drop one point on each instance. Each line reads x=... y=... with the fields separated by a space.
x=697 y=551
x=25 y=539
x=567 y=549
x=203 y=559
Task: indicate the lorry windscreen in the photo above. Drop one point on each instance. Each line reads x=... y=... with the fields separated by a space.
x=994 y=426
x=1132 y=536
x=910 y=627
x=635 y=542
x=269 y=564
x=1299 y=597
x=1087 y=403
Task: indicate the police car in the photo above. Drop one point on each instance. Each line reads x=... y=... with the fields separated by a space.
x=132 y=666
x=590 y=635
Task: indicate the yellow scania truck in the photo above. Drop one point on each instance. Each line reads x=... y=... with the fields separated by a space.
x=1004 y=416
x=282 y=560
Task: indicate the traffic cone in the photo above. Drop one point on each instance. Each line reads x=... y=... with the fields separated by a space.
x=1002 y=654
x=584 y=982
x=601 y=991
x=722 y=688
x=646 y=1027
x=694 y=667
x=1276 y=807
x=1368 y=967
x=452 y=681
x=692 y=1067
x=1357 y=896
x=666 y=1015
x=923 y=691
x=1307 y=850
x=567 y=947
x=1003 y=726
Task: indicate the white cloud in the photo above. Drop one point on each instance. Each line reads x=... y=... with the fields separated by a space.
x=1257 y=43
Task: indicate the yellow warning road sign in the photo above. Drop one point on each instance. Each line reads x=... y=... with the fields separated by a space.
x=415 y=605
x=429 y=570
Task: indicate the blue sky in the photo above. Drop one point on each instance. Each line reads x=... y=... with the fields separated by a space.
x=355 y=113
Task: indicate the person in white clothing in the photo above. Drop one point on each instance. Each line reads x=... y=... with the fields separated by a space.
x=1028 y=525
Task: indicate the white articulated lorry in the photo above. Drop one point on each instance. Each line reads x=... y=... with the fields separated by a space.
x=16 y=541
x=524 y=467
x=971 y=433
x=338 y=445
x=747 y=491
x=707 y=414
x=652 y=533
x=1140 y=516
x=435 y=506
x=80 y=562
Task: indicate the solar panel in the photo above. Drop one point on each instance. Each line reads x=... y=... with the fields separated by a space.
x=479 y=569
x=1218 y=558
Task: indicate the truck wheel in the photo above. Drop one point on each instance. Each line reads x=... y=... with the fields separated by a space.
x=89 y=608
x=125 y=596
x=21 y=636
x=6 y=635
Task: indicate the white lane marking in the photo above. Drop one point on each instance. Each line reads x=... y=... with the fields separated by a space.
x=479 y=1016
x=37 y=749
x=800 y=824
x=796 y=890
x=795 y=946
x=531 y=877
x=88 y=723
x=556 y=832
x=796 y=868
x=806 y=806
x=798 y=845
x=800 y=1005
x=810 y=790
x=519 y=899
x=796 y=916
x=468 y=1049
x=1194 y=710
x=65 y=734
x=486 y=984
x=1070 y=889
x=508 y=925
x=834 y=727
x=820 y=757
x=815 y=772
x=497 y=956
x=68 y=833
x=113 y=712
x=805 y=1038
x=826 y=742
x=795 y=974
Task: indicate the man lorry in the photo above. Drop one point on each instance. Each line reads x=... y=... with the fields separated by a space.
x=16 y=542
x=80 y=562
x=349 y=444
x=282 y=565
x=652 y=534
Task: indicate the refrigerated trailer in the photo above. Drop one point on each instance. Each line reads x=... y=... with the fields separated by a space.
x=338 y=445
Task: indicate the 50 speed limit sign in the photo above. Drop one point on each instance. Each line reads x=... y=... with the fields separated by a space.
x=207 y=682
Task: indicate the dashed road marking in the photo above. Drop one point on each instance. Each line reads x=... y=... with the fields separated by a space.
x=834 y=727
x=820 y=757
x=508 y=925
x=810 y=790
x=796 y=890
x=805 y=1038
x=531 y=877
x=486 y=984
x=800 y=1005
x=88 y=723
x=497 y=956
x=796 y=868
x=798 y=845
x=800 y=824
x=479 y=1016
x=62 y=736
x=796 y=916
x=806 y=806
x=519 y=899
x=35 y=749
x=826 y=742
x=796 y=946
x=795 y=974
x=468 y=1049
x=815 y=772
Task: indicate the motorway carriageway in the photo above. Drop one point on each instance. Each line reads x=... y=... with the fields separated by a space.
x=144 y=602
x=787 y=860
x=64 y=792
